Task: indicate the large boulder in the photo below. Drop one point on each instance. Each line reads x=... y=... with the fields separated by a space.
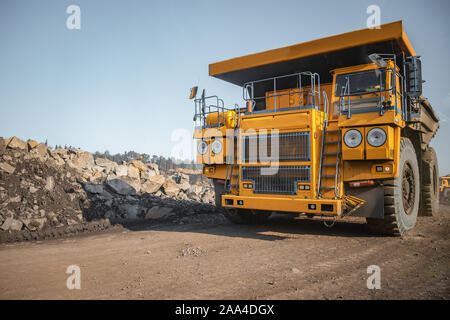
x=16 y=143
x=208 y=197
x=49 y=183
x=7 y=141
x=94 y=188
x=138 y=164
x=184 y=185
x=107 y=164
x=83 y=160
x=145 y=175
x=150 y=187
x=34 y=224
x=41 y=149
x=135 y=183
x=121 y=170
x=153 y=184
x=194 y=192
x=12 y=224
x=153 y=166
x=32 y=144
x=195 y=189
x=6 y=167
x=133 y=172
x=158 y=179
x=182 y=180
x=132 y=211
x=171 y=188
x=158 y=212
x=57 y=159
x=120 y=187
x=2 y=146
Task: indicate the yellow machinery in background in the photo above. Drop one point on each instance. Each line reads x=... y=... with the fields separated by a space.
x=331 y=127
x=445 y=189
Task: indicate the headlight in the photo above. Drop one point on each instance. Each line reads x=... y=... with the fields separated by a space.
x=216 y=146
x=352 y=138
x=376 y=137
x=202 y=147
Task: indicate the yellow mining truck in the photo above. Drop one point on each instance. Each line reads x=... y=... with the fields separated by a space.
x=331 y=127
x=445 y=189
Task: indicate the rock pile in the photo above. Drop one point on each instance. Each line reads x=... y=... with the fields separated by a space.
x=43 y=189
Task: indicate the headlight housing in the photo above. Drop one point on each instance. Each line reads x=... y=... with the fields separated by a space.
x=352 y=138
x=216 y=146
x=376 y=137
x=202 y=147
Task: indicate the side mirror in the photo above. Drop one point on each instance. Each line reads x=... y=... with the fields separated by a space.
x=193 y=93
x=413 y=77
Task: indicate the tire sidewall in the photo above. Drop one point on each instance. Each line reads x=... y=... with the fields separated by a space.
x=219 y=190
x=435 y=187
x=407 y=221
x=430 y=183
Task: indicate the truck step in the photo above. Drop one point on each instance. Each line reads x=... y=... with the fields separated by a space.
x=331 y=142
x=331 y=153
x=328 y=188
x=329 y=176
x=329 y=164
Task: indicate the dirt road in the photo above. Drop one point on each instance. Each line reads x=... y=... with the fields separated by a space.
x=284 y=259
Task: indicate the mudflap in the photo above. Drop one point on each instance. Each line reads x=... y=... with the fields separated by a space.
x=374 y=197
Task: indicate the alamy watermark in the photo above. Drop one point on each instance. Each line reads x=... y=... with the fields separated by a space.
x=74 y=280
x=374 y=280
x=73 y=21
x=374 y=19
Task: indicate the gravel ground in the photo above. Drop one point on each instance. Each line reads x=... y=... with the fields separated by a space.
x=205 y=257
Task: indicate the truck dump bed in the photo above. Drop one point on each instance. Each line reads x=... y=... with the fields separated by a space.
x=425 y=121
x=319 y=56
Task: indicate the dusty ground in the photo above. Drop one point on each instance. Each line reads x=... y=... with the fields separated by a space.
x=284 y=259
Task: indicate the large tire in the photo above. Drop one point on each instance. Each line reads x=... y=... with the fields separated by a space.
x=401 y=196
x=219 y=190
x=430 y=184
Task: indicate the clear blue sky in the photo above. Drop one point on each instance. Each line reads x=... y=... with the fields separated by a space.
x=121 y=82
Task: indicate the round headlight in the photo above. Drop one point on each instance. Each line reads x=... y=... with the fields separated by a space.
x=376 y=137
x=216 y=146
x=202 y=147
x=352 y=138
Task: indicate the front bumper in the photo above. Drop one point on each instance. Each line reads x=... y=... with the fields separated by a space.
x=311 y=206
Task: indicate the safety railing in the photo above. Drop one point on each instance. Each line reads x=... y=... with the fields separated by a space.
x=205 y=106
x=304 y=81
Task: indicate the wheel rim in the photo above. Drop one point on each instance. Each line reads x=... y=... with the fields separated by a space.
x=408 y=189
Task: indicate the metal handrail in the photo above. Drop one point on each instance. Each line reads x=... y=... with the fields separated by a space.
x=338 y=163
x=325 y=125
x=314 y=91
x=202 y=110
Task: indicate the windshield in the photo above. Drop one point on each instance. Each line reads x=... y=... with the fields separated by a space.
x=360 y=83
